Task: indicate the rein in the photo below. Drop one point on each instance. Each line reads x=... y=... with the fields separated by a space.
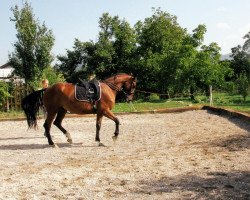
x=113 y=86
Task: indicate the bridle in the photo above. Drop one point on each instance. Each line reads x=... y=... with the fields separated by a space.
x=117 y=89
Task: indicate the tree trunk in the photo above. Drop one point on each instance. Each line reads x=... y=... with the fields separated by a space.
x=192 y=93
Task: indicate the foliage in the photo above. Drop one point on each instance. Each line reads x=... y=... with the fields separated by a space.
x=115 y=47
x=164 y=57
x=112 y=53
x=172 y=60
x=33 y=47
x=207 y=69
x=240 y=62
x=51 y=74
x=246 y=46
x=159 y=39
x=3 y=92
x=75 y=61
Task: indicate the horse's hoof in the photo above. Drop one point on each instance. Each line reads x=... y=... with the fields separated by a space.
x=114 y=138
x=55 y=146
x=70 y=141
x=101 y=144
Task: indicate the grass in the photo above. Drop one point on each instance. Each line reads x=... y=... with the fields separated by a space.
x=220 y=99
x=150 y=105
x=225 y=100
x=234 y=102
x=11 y=114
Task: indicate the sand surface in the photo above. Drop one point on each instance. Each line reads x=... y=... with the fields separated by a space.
x=190 y=155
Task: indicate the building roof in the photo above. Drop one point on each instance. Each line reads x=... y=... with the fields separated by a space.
x=5 y=66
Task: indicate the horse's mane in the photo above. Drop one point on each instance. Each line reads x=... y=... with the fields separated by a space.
x=117 y=74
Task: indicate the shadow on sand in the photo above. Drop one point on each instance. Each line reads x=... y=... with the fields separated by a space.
x=233 y=143
x=217 y=185
x=40 y=146
x=20 y=138
x=235 y=119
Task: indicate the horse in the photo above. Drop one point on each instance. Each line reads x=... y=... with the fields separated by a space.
x=59 y=99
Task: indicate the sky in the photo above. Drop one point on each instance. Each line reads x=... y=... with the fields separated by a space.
x=227 y=21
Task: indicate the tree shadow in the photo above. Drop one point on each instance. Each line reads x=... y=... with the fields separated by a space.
x=239 y=120
x=234 y=143
x=217 y=185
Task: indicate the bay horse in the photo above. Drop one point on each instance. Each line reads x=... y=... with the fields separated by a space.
x=60 y=98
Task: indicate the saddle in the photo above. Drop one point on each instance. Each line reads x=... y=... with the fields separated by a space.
x=89 y=91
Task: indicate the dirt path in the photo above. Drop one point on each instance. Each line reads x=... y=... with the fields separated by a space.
x=190 y=155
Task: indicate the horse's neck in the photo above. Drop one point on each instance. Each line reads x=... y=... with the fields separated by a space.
x=118 y=82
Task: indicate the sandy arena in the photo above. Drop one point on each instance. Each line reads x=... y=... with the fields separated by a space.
x=189 y=155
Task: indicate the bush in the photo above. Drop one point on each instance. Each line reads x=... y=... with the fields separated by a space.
x=52 y=75
x=153 y=97
x=3 y=92
x=221 y=101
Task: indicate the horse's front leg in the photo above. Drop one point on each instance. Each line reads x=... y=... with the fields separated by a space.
x=111 y=116
x=98 y=127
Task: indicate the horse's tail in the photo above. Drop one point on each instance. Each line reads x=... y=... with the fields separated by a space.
x=31 y=104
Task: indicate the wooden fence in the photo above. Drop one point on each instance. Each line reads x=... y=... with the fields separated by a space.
x=14 y=101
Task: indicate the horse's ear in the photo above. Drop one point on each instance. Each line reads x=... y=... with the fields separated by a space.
x=134 y=78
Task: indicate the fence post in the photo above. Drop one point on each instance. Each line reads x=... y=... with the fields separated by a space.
x=210 y=95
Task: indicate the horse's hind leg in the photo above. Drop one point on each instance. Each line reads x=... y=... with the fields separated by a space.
x=98 y=127
x=47 y=126
x=58 y=123
x=111 y=116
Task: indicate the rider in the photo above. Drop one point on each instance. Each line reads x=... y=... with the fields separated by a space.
x=45 y=83
x=91 y=77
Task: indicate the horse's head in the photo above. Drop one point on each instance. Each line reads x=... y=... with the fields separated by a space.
x=123 y=83
x=129 y=88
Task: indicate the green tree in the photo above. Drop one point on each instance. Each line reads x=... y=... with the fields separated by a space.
x=115 y=47
x=158 y=50
x=186 y=81
x=73 y=65
x=112 y=53
x=243 y=85
x=33 y=47
x=52 y=75
x=240 y=62
x=159 y=39
x=208 y=69
x=246 y=46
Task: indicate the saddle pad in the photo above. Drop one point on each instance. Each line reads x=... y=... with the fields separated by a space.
x=90 y=94
x=81 y=93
